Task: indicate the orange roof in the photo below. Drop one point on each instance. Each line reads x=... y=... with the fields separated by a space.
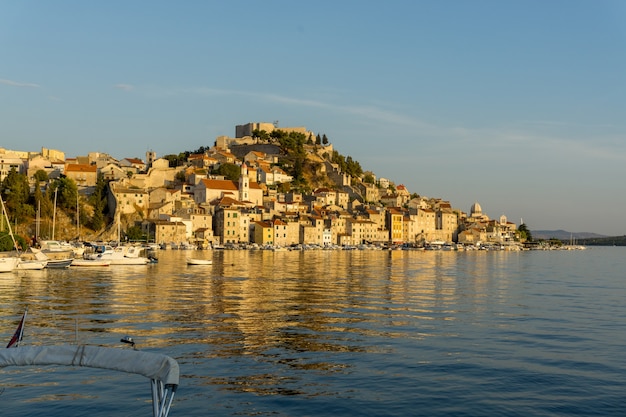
x=80 y=168
x=220 y=184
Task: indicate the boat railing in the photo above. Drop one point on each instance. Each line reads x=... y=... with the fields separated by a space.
x=162 y=370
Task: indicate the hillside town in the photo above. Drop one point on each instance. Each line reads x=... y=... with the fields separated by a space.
x=190 y=204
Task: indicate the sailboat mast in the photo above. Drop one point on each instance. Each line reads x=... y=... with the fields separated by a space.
x=38 y=221
x=77 y=218
x=6 y=216
x=54 y=213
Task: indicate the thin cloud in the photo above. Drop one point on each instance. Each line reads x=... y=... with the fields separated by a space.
x=125 y=87
x=501 y=140
x=13 y=83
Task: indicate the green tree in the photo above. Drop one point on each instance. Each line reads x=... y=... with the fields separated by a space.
x=318 y=139
x=262 y=135
x=368 y=179
x=6 y=243
x=67 y=193
x=180 y=176
x=324 y=139
x=135 y=234
x=47 y=202
x=41 y=175
x=99 y=202
x=229 y=171
x=353 y=168
x=177 y=160
x=15 y=191
x=524 y=233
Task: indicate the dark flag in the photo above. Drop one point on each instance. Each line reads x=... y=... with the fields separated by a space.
x=19 y=332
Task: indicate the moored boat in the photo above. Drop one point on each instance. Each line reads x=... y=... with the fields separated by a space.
x=31 y=264
x=196 y=261
x=32 y=260
x=9 y=263
x=120 y=255
x=59 y=263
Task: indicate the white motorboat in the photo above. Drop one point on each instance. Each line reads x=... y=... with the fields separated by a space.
x=196 y=261
x=120 y=255
x=58 y=256
x=9 y=263
x=162 y=370
x=32 y=260
x=31 y=264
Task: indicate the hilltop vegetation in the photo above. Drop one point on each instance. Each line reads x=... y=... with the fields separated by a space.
x=300 y=156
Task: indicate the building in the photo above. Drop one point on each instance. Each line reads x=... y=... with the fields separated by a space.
x=129 y=200
x=82 y=174
x=395 y=223
x=164 y=231
x=244 y=190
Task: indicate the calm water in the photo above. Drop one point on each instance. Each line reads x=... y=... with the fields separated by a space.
x=332 y=333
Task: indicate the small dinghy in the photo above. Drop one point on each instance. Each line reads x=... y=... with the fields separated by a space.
x=195 y=261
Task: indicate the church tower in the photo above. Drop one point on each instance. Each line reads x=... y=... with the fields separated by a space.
x=244 y=184
x=150 y=158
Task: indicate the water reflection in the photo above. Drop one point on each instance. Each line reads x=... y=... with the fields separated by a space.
x=291 y=324
x=250 y=302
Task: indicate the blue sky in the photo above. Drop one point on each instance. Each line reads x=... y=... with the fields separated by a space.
x=517 y=105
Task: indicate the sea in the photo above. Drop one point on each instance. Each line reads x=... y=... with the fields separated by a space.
x=333 y=333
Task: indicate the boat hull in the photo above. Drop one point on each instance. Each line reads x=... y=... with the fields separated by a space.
x=9 y=263
x=32 y=265
x=59 y=263
x=191 y=261
x=89 y=263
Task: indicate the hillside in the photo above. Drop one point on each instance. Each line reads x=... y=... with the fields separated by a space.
x=563 y=235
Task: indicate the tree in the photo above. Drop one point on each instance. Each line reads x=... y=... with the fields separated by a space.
x=262 y=135
x=135 y=234
x=6 y=243
x=41 y=175
x=180 y=176
x=524 y=233
x=324 y=139
x=353 y=168
x=67 y=193
x=99 y=202
x=318 y=140
x=177 y=160
x=368 y=179
x=229 y=171
x=16 y=191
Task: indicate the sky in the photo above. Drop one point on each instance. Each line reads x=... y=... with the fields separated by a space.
x=519 y=106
